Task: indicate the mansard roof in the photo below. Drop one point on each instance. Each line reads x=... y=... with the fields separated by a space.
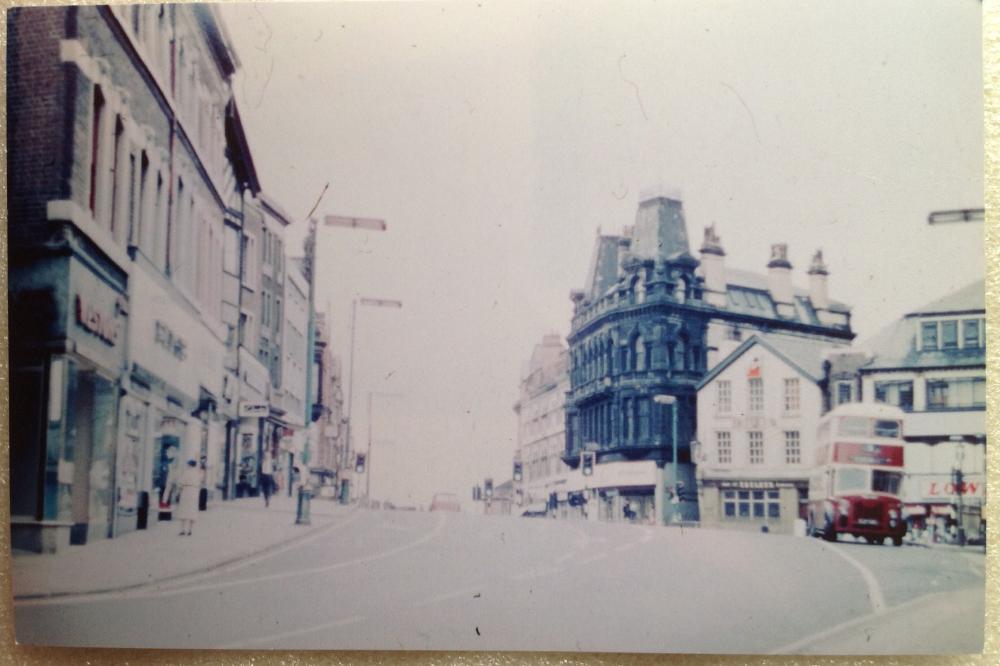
x=895 y=346
x=970 y=298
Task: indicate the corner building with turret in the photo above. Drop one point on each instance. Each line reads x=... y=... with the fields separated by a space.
x=651 y=322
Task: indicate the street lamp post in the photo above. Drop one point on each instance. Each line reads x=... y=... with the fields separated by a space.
x=958 y=483
x=672 y=401
x=374 y=302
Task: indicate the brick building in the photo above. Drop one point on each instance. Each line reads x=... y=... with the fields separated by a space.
x=127 y=176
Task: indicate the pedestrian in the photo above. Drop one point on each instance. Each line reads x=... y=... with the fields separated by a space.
x=267 y=478
x=187 y=507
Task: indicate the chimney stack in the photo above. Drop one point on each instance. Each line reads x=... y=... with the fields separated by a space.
x=818 y=290
x=713 y=268
x=779 y=279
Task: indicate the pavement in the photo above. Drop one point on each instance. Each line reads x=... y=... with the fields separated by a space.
x=225 y=533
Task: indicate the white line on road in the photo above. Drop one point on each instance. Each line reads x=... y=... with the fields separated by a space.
x=874 y=589
x=469 y=592
x=343 y=622
x=798 y=645
x=159 y=592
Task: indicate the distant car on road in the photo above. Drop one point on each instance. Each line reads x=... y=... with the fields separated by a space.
x=445 y=502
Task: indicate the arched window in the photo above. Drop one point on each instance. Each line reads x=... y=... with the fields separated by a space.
x=626 y=358
x=680 y=354
x=640 y=353
x=609 y=345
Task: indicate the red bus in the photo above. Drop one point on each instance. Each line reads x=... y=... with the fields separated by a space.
x=855 y=486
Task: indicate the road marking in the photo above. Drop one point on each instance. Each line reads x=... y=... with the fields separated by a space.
x=343 y=622
x=798 y=645
x=466 y=592
x=874 y=589
x=159 y=592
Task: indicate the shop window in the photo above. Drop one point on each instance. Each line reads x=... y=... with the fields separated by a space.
x=899 y=394
x=745 y=504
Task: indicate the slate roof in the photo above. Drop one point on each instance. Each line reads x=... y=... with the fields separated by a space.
x=803 y=354
x=967 y=299
x=603 y=266
x=896 y=345
x=737 y=278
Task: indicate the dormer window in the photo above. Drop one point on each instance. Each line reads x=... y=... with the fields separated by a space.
x=929 y=336
x=949 y=335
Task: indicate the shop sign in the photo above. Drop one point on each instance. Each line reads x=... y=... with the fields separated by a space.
x=756 y=485
x=868 y=454
x=251 y=409
x=943 y=488
x=96 y=322
x=170 y=341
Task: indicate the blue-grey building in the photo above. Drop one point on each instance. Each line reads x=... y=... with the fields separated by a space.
x=652 y=320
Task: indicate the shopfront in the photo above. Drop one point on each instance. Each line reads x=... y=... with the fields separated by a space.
x=67 y=353
x=175 y=385
x=934 y=502
x=752 y=504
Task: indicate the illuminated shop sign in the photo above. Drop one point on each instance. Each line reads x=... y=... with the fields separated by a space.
x=96 y=322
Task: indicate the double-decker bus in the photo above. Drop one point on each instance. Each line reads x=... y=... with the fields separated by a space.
x=854 y=488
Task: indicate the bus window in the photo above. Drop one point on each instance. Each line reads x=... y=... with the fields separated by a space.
x=850 y=479
x=853 y=425
x=887 y=429
x=886 y=482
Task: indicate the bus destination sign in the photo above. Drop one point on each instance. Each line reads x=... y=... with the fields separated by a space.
x=890 y=455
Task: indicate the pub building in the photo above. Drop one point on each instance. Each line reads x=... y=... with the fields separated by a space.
x=758 y=410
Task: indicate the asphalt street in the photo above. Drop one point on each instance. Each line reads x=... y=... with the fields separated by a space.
x=441 y=581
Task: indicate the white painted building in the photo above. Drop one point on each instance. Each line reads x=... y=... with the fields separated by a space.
x=932 y=364
x=541 y=431
x=293 y=365
x=757 y=415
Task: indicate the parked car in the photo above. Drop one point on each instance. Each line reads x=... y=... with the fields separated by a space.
x=445 y=502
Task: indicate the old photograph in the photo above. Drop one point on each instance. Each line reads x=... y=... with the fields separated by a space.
x=589 y=327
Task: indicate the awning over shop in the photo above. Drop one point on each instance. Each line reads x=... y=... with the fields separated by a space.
x=914 y=510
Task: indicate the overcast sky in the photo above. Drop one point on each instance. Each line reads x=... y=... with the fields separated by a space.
x=495 y=138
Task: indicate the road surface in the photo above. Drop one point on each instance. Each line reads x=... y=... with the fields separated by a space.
x=443 y=581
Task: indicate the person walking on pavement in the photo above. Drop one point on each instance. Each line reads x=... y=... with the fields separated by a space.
x=267 y=478
x=187 y=509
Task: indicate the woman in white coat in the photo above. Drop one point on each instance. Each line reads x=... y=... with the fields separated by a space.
x=187 y=509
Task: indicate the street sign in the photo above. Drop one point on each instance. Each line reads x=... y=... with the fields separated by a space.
x=254 y=409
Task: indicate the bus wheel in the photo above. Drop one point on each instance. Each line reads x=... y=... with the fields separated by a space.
x=897 y=541
x=829 y=531
x=880 y=540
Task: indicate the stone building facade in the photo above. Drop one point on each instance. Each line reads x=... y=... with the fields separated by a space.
x=651 y=322
x=123 y=183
